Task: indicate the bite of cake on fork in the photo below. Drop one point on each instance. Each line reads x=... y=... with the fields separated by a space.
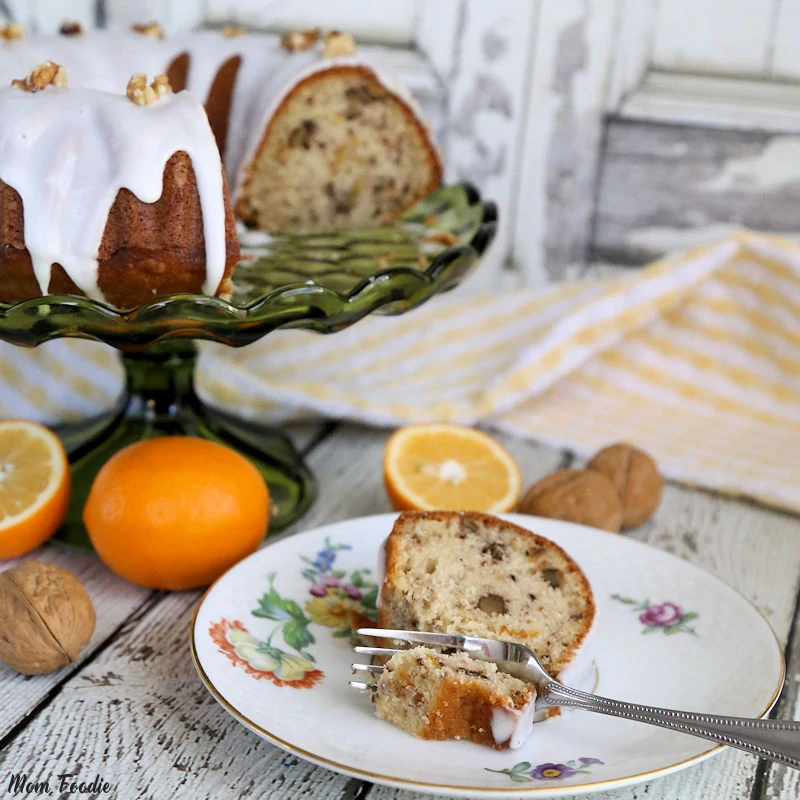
x=443 y=671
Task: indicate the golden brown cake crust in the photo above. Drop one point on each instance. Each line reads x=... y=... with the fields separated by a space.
x=148 y=250
x=393 y=571
x=220 y=97
x=246 y=214
x=451 y=696
x=462 y=711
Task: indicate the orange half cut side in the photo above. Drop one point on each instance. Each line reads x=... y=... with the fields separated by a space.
x=449 y=467
x=34 y=486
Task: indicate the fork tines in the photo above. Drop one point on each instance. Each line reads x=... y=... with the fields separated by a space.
x=372 y=669
x=415 y=637
x=375 y=651
x=410 y=637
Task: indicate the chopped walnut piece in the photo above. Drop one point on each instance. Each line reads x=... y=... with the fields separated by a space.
x=300 y=40
x=152 y=29
x=229 y=31
x=70 y=27
x=45 y=74
x=339 y=44
x=161 y=85
x=12 y=31
x=142 y=94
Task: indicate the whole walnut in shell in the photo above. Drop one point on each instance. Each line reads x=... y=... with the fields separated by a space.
x=575 y=495
x=635 y=477
x=46 y=617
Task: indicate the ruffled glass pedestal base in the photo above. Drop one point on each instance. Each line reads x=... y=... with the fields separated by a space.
x=159 y=399
x=320 y=282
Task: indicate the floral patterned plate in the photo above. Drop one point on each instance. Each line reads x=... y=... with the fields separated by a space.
x=271 y=640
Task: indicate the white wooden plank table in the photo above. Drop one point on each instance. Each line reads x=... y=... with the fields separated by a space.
x=133 y=711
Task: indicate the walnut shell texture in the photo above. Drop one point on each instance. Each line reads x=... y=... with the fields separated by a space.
x=46 y=617
x=575 y=495
x=635 y=477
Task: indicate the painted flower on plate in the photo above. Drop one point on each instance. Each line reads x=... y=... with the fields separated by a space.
x=549 y=772
x=320 y=588
x=522 y=772
x=260 y=659
x=337 y=610
x=667 y=617
x=663 y=614
x=339 y=600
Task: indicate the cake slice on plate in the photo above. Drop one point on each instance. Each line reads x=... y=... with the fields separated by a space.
x=477 y=575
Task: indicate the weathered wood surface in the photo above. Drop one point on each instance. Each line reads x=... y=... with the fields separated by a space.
x=779 y=782
x=488 y=94
x=570 y=74
x=667 y=186
x=117 y=602
x=135 y=711
x=706 y=36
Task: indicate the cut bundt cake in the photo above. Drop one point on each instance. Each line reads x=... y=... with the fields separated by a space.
x=121 y=198
x=452 y=696
x=475 y=574
x=312 y=136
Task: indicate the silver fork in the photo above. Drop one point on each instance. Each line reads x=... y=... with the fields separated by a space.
x=776 y=740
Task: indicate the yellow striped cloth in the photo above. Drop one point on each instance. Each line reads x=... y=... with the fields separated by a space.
x=695 y=358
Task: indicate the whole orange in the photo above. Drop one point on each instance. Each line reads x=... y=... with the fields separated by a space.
x=175 y=512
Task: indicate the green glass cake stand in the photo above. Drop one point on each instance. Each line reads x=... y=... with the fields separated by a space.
x=319 y=282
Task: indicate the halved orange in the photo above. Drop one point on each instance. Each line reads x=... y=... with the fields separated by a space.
x=34 y=486
x=449 y=467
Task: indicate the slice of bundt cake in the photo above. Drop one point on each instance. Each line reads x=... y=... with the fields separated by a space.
x=340 y=149
x=118 y=197
x=475 y=574
x=436 y=696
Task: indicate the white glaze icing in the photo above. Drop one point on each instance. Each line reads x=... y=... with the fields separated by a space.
x=512 y=725
x=380 y=570
x=106 y=60
x=68 y=152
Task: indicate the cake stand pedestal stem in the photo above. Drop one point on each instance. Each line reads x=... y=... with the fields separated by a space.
x=160 y=399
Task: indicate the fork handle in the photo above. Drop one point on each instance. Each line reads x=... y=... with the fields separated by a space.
x=777 y=740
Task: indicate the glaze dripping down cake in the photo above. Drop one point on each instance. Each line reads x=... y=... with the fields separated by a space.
x=104 y=196
x=477 y=575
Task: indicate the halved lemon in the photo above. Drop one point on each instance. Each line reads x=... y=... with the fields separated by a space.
x=449 y=467
x=34 y=486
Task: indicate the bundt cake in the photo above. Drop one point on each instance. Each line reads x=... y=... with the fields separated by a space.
x=305 y=112
x=475 y=574
x=110 y=195
x=453 y=696
x=312 y=138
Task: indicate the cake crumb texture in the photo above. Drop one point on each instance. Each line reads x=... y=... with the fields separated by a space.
x=475 y=574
